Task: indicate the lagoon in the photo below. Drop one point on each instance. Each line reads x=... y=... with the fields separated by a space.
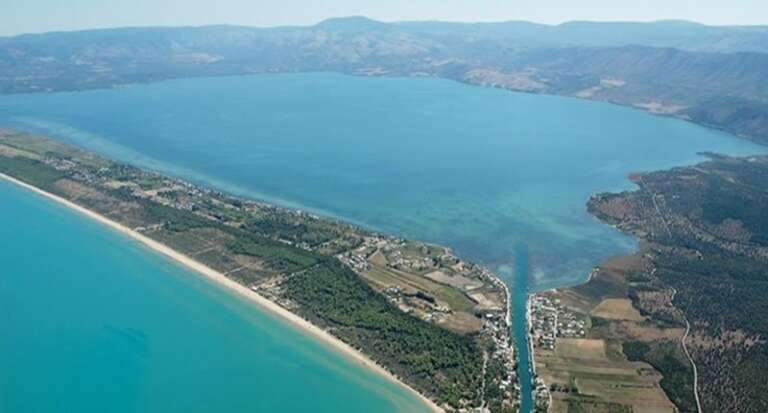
x=501 y=177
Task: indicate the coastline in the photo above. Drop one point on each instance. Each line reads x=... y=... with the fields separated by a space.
x=529 y=334
x=234 y=287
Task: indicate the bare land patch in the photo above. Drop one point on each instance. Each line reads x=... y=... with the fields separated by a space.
x=617 y=309
x=582 y=348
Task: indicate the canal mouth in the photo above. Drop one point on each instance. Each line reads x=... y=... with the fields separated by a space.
x=517 y=277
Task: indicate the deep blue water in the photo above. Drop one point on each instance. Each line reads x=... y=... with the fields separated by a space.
x=487 y=172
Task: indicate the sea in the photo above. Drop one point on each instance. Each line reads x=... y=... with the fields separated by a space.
x=92 y=321
x=500 y=177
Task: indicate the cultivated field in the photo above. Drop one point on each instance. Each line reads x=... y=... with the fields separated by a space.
x=617 y=309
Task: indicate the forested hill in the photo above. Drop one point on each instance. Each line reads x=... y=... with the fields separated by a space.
x=716 y=76
x=705 y=234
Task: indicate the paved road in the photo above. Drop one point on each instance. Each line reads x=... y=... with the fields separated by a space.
x=687 y=354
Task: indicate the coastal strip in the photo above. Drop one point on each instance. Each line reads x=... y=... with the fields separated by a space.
x=540 y=394
x=234 y=287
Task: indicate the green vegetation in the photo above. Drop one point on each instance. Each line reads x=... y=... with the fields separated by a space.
x=173 y=219
x=445 y=363
x=287 y=256
x=587 y=406
x=598 y=322
x=599 y=289
x=456 y=299
x=715 y=255
x=677 y=382
x=275 y=255
x=750 y=372
x=494 y=370
x=635 y=350
x=31 y=171
x=286 y=229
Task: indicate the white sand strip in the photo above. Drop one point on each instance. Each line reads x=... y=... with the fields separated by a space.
x=234 y=287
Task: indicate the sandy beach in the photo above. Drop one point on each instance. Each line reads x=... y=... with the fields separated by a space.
x=236 y=288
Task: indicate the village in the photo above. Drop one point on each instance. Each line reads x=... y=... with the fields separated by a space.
x=435 y=285
x=549 y=320
x=427 y=281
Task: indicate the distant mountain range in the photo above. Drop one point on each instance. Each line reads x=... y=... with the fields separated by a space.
x=717 y=76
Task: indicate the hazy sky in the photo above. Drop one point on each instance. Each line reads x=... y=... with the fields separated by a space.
x=21 y=16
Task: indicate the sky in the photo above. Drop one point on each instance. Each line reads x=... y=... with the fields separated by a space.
x=26 y=16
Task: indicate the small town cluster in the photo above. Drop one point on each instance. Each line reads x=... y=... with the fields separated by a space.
x=413 y=277
x=550 y=320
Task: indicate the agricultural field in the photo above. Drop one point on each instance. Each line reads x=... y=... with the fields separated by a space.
x=425 y=280
x=590 y=372
x=617 y=309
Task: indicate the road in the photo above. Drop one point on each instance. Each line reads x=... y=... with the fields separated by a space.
x=658 y=210
x=688 y=355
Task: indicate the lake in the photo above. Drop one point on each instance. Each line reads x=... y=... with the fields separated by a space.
x=501 y=177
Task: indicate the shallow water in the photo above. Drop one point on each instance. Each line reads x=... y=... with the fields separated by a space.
x=487 y=172
x=90 y=321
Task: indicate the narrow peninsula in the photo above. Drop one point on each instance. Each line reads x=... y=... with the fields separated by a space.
x=412 y=311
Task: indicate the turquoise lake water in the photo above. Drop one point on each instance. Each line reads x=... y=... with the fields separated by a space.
x=501 y=177
x=90 y=321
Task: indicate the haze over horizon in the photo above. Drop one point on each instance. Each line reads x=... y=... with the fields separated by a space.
x=387 y=206
x=35 y=16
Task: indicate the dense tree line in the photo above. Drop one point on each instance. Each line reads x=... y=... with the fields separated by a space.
x=445 y=363
x=31 y=171
x=715 y=260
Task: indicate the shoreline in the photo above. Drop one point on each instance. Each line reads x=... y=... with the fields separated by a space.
x=531 y=351
x=529 y=335
x=234 y=287
x=750 y=137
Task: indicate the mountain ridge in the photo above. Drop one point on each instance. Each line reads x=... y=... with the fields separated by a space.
x=710 y=75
